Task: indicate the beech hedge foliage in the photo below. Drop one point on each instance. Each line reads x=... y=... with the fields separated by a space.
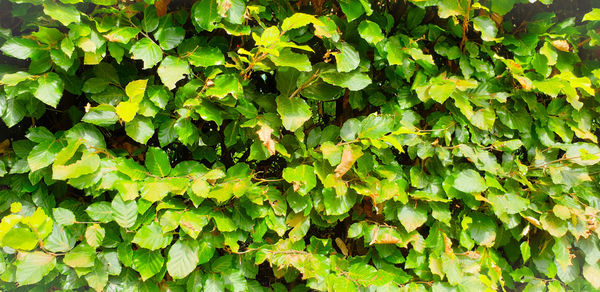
x=273 y=145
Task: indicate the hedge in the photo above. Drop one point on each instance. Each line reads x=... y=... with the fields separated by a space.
x=332 y=145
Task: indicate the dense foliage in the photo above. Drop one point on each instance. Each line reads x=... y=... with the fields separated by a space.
x=445 y=145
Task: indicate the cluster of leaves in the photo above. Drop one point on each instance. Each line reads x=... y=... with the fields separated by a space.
x=331 y=145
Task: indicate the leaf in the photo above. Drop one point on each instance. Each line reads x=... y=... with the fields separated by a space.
x=100 y=211
x=140 y=129
x=412 y=217
x=147 y=51
x=170 y=37
x=486 y=26
x=94 y=235
x=294 y=112
x=469 y=181
x=82 y=256
x=554 y=225
x=151 y=237
x=98 y=277
x=124 y=213
x=173 y=69
x=561 y=45
x=66 y=14
x=50 y=89
x=298 y=20
x=148 y=263
x=183 y=258
x=592 y=274
x=157 y=162
x=88 y=163
x=224 y=85
x=349 y=156
x=583 y=153
x=43 y=154
x=370 y=32
x=102 y=115
x=19 y=238
x=264 y=134
x=593 y=15
x=525 y=251
x=19 y=48
x=287 y=58
x=33 y=266
x=483 y=230
x=347 y=59
x=63 y=216
x=352 y=9
x=302 y=177
x=206 y=57
x=205 y=15
x=192 y=222
x=354 y=80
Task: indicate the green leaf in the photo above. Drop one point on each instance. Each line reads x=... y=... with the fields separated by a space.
x=147 y=51
x=593 y=15
x=170 y=37
x=19 y=48
x=554 y=225
x=583 y=153
x=82 y=256
x=19 y=238
x=298 y=20
x=206 y=56
x=172 y=69
x=370 y=32
x=140 y=129
x=14 y=78
x=50 y=89
x=192 y=222
x=183 y=258
x=302 y=177
x=469 y=181
x=483 y=230
x=412 y=217
x=592 y=272
x=100 y=211
x=124 y=213
x=151 y=237
x=66 y=14
x=287 y=58
x=88 y=163
x=43 y=154
x=294 y=112
x=94 y=235
x=33 y=266
x=347 y=59
x=486 y=26
x=225 y=84
x=148 y=263
x=502 y=6
x=354 y=80
x=205 y=15
x=157 y=162
x=101 y=115
x=98 y=277
x=352 y=8
x=63 y=216
x=122 y=35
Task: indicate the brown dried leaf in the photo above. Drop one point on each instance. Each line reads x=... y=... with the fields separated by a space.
x=161 y=7
x=264 y=134
x=561 y=45
x=349 y=156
